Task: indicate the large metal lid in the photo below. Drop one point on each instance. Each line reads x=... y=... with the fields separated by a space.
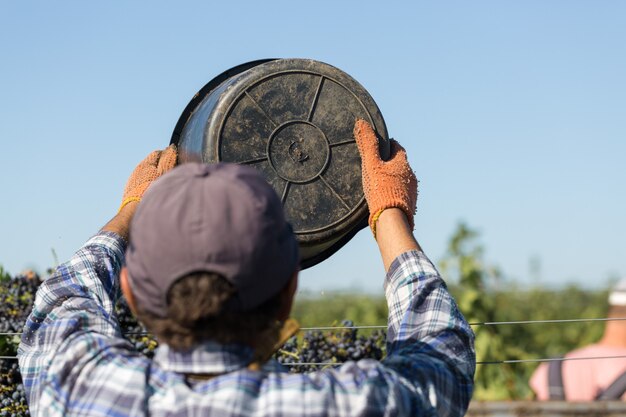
x=293 y=120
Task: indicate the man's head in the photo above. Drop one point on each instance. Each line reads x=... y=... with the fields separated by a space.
x=617 y=300
x=210 y=249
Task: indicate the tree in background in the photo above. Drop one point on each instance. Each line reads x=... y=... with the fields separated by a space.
x=484 y=296
x=464 y=265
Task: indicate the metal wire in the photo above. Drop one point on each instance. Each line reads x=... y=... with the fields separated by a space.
x=548 y=360
x=341 y=328
x=493 y=323
x=483 y=362
x=486 y=323
x=502 y=362
x=501 y=323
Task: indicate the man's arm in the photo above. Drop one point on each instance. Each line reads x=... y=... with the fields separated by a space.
x=429 y=343
x=394 y=236
x=120 y=224
x=73 y=325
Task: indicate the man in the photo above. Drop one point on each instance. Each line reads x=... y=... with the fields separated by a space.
x=211 y=270
x=580 y=379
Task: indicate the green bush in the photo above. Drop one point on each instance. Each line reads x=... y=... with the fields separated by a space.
x=331 y=308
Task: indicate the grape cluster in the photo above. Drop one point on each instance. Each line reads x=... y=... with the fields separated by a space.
x=12 y=396
x=133 y=330
x=316 y=349
x=17 y=296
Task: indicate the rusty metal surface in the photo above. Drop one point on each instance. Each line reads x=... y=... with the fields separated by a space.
x=547 y=409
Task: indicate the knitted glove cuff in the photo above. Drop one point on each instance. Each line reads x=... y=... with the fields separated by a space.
x=392 y=199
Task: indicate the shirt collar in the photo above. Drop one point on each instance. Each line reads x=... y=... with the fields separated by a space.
x=206 y=358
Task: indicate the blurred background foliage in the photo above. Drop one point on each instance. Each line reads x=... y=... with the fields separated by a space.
x=482 y=292
x=484 y=295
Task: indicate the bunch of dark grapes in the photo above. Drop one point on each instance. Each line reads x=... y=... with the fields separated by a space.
x=17 y=296
x=133 y=330
x=316 y=350
x=12 y=395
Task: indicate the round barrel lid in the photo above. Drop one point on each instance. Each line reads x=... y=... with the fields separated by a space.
x=293 y=120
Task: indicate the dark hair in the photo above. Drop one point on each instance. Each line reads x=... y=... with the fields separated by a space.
x=196 y=313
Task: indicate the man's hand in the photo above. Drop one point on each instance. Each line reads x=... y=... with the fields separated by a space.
x=386 y=184
x=148 y=170
x=390 y=189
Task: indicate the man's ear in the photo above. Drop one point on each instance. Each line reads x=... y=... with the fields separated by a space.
x=126 y=290
x=287 y=294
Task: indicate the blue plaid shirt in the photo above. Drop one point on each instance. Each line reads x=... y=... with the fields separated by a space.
x=75 y=362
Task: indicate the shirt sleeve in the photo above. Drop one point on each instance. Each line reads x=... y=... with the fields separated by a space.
x=429 y=342
x=72 y=321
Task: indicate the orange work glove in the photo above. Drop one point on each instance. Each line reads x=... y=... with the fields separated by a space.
x=148 y=170
x=386 y=184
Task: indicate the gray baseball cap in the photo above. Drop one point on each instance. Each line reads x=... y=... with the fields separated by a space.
x=221 y=218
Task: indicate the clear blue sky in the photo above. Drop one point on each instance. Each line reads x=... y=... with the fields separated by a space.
x=513 y=115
